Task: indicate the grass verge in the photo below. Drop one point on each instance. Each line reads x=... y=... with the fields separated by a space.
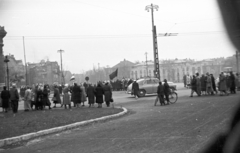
x=33 y=121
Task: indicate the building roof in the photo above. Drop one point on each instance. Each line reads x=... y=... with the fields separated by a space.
x=124 y=63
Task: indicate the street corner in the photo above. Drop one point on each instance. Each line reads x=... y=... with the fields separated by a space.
x=26 y=137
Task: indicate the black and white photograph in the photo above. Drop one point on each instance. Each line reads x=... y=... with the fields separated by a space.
x=120 y=76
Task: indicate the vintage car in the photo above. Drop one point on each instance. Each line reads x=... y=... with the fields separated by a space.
x=149 y=86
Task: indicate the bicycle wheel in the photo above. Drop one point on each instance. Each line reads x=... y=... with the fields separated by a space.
x=173 y=97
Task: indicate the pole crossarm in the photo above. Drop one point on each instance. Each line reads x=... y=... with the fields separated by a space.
x=167 y=34
x=152 y=6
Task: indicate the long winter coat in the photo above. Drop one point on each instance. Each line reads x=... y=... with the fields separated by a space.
x=222 y=83
x=166 y=88
x=66 y=96
x=76 y=90
x=83 y=94
x=107 y=93
x=91 y=94
x=135 y=88
x=99 y=94
x=45 y=99
x=5 y=95
x=57 y=96
x=203 y=83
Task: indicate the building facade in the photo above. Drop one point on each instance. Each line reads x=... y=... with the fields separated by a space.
x=45 y=72
x=174 y=70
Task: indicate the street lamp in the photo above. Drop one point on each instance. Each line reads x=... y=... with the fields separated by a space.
x=6 y=60
x=155 y=46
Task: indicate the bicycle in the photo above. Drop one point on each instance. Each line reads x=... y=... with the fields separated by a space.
x=173 y=97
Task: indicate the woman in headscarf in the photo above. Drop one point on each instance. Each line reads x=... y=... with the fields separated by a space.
x=46 y=101
x=66 y=97
x=76 y=92
x=56 y=96
x=99 y=95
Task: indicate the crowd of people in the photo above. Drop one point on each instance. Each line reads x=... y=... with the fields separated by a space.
x=225 y=84
x=39 y=97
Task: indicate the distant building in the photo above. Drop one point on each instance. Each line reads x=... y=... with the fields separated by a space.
x=124 y=69
x=45 y=72
x=174 y=70
x=17 y=71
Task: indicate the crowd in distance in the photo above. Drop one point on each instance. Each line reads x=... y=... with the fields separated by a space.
x=38 y=96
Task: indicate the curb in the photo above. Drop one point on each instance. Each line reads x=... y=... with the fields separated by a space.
x=12 y=140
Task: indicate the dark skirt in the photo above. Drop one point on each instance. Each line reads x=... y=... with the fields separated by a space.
x=5 y=103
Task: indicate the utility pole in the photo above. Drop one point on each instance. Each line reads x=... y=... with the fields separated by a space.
x=237 y=60
x=61 y=78
x=26 y=80
x=146 y=64
x=155 y=46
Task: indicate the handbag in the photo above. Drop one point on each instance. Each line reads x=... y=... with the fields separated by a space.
x=111 y=100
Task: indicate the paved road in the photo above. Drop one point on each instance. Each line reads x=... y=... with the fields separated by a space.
x=184 y=127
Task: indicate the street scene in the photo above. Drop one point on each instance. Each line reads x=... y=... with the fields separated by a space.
x=119 y=76
x=189 y=125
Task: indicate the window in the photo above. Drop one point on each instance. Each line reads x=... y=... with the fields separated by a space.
x=144 y=73
x=140 y=73
x=136 y=76
x=149 y=74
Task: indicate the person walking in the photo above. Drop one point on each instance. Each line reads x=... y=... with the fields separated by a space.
x=193 y=86
x=214 y=89
x=222 y=84
x=166 y=90
x=99 y=95
x=185 y=80
x=135 y=89
x=27 y=99
x=203 y=84
x=198 y=84
x=76 y=90
x=5 y=95
x=232 y=83
x=66 y=97
x=208 y=84
x=14 y=97
x=56 y=97
x=91 y=95
x=83 y=95
x=107 y=94
x=160 y=92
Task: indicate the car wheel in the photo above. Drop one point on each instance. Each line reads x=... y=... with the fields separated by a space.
x=141 y=93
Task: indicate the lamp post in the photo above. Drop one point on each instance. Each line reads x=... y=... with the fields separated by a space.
x=6 y=60
x=155 y=46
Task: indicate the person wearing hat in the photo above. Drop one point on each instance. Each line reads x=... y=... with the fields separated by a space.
x=166 y=90
x=14 y=97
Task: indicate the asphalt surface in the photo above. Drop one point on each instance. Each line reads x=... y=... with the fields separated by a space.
x=184 y=127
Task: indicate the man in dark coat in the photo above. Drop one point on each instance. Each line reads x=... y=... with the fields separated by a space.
x=107 y=94
x=99 y=95
x=5 y=95
x=76 y=90
x=166 y=90
x=14 y=97
x=160 y=92
x=232 y=83
x=135 y=89
x=91 y=95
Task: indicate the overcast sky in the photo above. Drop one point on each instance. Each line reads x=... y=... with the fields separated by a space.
x=109 y=31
